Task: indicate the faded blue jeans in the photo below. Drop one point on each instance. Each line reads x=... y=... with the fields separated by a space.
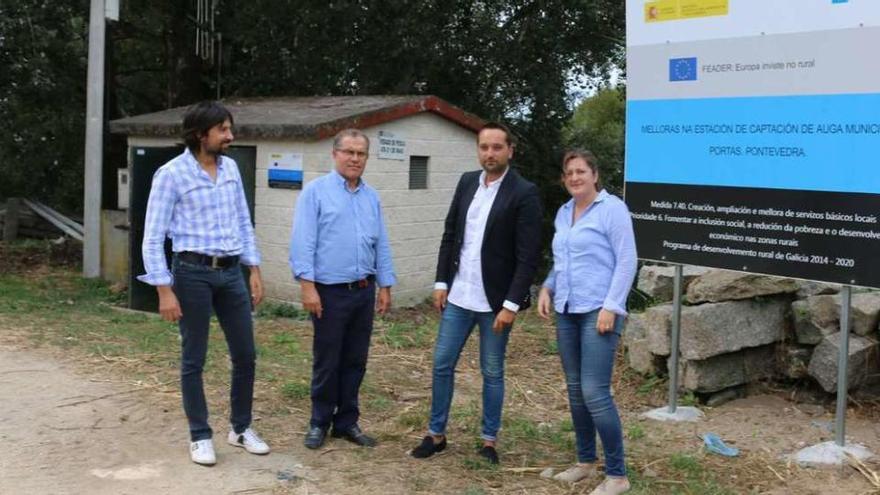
x=588 y=360
x=202 y=290
x=456 y=325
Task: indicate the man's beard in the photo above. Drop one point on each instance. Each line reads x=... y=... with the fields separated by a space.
x=219 y=150
x=494 y=166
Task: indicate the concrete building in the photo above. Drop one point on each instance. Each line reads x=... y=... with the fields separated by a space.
x=420 y=145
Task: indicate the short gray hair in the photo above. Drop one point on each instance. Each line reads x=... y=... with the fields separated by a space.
x=349 y=133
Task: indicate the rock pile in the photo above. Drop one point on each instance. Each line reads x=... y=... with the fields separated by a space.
x=741 y=327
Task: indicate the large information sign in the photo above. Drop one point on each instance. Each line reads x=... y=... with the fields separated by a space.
x=753 y=135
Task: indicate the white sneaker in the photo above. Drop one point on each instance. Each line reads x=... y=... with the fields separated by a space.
x=249 y=440
x=577 y=473
x=202 y=452
x=612 y=486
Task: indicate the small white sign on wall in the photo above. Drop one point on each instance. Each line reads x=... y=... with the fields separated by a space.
x=391 y=146
x=285 y=170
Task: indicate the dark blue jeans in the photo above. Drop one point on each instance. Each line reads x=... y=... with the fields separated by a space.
x=588 y=360
x=339 y=351
x=456 y=326
x=202 y=290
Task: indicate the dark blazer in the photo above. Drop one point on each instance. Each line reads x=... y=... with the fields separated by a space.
x=511 y=242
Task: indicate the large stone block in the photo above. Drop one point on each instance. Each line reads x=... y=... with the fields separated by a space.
x=865 y=312
x=634 y=327
x=640 y=359
x=725 y=285
x=861 y=363
x=653 y=326
x=658 y=281
x=819 y=316
x=719 y=328
x=807 y=288
x=638 y=355
x=728 y=370
x=815 y=318
x=658 y=329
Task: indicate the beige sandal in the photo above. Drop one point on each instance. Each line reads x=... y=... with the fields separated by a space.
x=612 y=486
x=577 y=472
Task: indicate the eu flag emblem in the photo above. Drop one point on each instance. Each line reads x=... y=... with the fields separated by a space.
x=683 y=69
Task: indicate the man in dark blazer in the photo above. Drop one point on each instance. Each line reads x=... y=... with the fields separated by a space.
x=488 y=257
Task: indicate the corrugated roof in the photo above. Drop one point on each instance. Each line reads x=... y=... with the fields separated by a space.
x=308 y=118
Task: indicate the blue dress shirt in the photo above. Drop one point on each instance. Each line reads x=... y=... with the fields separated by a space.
x=594 y=259
x=339 y=235
x=199 y=214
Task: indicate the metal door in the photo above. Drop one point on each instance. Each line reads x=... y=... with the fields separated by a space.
x=145 y=161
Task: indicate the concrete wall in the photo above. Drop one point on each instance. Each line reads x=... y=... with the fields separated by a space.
x=414 y=217
x=114 y=246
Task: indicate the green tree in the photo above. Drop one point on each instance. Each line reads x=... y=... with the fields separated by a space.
x=510 y=60
x=44 y=50
x=42 y=99
x=598 y=125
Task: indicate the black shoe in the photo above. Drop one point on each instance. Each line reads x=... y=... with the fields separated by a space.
x=354 y=435
x=428 y=448
x=489 y=454
x=315 y=437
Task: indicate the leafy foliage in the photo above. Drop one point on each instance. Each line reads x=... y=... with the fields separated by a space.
x=43 y=52
x=521 y=61
x=598 y=124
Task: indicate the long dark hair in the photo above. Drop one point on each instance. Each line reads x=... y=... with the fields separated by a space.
x=199 y=119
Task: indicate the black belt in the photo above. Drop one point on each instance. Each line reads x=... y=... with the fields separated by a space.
x=215 y=262
x=357 y=284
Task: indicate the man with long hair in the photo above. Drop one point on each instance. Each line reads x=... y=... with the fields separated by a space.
x=197 y=199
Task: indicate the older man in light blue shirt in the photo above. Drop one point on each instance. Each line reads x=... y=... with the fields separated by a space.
x=339 y=234
x=339 y=252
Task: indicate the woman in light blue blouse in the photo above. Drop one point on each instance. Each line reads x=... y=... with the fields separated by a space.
x=594 y=263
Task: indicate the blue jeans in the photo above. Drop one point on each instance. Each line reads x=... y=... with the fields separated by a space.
x=201 y=289
x=456 y=325
x=588 y=360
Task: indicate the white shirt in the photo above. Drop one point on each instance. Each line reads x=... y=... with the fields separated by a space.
x=467 y=288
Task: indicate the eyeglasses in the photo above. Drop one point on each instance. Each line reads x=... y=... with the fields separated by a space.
x=350 y=152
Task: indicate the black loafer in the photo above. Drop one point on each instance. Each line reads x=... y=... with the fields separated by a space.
x=315 y=437
x=428 y=448
x=354 y=435
x=490 y=454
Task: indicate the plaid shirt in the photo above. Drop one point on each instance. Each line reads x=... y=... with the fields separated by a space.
x=198 y=214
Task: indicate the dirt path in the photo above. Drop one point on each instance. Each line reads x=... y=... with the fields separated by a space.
x=68 y=430
x=63 y=433
x=771 y=427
